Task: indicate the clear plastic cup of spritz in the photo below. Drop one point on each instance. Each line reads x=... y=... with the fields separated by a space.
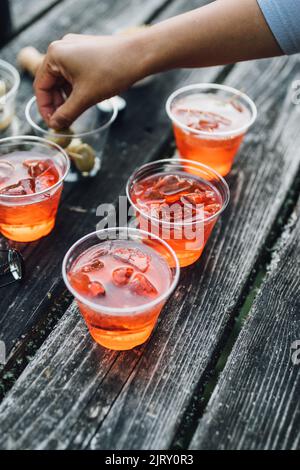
x=121 y=279
x=32 y=172
x=210 y=122
x=180 y=201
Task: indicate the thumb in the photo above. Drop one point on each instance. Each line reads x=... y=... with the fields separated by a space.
x=69 y=111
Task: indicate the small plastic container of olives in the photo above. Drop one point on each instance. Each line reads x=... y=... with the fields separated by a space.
x=9 y=85
x=84 y=142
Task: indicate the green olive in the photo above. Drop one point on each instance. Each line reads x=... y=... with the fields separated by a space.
x=83 y=157
x=63 y=137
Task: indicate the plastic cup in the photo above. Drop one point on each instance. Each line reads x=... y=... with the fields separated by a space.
x=9 y=85
x=27 y=218
x=121 y=328
x=187 y=237
x=217 y=149
x=89 y=130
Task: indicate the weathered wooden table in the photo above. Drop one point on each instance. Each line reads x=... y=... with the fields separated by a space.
x=221 y=370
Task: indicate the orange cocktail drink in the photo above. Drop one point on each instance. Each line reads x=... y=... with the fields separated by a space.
x=210 y=122
x=121 y=279
x=32 y=171
x=179 y=201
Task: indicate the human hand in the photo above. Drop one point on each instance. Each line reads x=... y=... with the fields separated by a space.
x=80 y=71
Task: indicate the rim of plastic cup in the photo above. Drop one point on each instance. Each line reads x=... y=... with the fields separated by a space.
x=35 y=126
x=119 y=310
x=183 y=162
x=17 y=80
x=46 y=143
x=213 y=86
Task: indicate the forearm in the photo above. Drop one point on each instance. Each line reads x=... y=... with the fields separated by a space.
x=90 y=69
x=222 y=32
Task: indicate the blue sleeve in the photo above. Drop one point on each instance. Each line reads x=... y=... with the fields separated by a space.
x=283 y=18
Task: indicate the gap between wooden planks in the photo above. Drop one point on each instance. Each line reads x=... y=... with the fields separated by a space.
x=77 y=395
x=133 y=142
x=255 y=404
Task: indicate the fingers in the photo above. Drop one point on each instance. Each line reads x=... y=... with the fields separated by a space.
x=44 y=85
x=48 y=84
x=61 y=76
x=69 y=111
x=58 y=98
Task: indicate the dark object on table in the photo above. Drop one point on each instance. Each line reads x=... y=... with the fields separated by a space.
x=5 y=22
x=11 y=267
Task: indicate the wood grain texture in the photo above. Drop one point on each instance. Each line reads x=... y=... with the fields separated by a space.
x=133 y=141
x=157 y=381
x=139 y=136
x=256 y=402
x=25 y=13
x=56 y=369
x=148 y=411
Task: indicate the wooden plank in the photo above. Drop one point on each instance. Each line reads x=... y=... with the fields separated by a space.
x=144 y=394
x=148 y=411
x=57 y=367
x=21 y=307
x=256 y=402
x=156 y=388
x=136 y=138
x=23 y=16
